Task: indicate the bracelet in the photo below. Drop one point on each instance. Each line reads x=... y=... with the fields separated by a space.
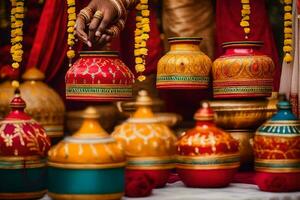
x=120 y=8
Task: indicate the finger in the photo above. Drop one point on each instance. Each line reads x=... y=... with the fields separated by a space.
x=102 y=40
x=80 y=27
x=108 y=38
x=94 y=24
x=107 y=19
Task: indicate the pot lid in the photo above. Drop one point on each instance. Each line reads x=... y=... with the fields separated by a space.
x=205 y=113
x=91 y=146
x=33 y=74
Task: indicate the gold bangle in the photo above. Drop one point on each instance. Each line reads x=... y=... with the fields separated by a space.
x=98 y=14
x=120 y=8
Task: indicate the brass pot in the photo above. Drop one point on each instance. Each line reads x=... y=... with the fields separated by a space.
x=108 y=116
x=245 y=138
x=169 y=119
x=243 y=114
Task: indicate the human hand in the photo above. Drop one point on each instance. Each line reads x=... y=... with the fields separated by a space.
x=104 y=20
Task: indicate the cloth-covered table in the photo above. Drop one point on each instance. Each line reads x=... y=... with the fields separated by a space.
x=236 y=191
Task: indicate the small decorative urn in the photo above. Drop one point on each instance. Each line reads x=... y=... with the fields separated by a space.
x=206 y=155
x=277 y=152
x=23 y=150
x=99 y=76
x=185 y=66
x=243 y=71
x=149 y=144
x=88 y=165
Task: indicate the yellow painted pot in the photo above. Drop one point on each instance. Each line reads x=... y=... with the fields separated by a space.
x=149 y=144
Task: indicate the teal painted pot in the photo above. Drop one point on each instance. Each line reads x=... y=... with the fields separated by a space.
x=22 y=181
x=86 y=183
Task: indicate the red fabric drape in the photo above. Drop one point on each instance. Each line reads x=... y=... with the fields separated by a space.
x=49 y=47
x=228 y=16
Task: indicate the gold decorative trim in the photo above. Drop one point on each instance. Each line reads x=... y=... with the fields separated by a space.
x=278 y=161
x=86 y=166
x=208 y=167
x=18 y=121
x=115 y=196
x=279 y=170
x=258 y=133
x=152 y=167
x=25 y=166
x=25 y=195
x=227 y=156
x=19 y=158
x=154 y=158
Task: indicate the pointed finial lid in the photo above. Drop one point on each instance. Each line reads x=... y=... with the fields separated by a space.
x=205 y=113
x=17 y=102
x=143 y=99
x=91 y=113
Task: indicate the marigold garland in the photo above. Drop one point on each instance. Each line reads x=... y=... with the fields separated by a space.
x=288 y=31
x=17 y=16
x=71 y=29
x=245 y=17
x=141 y=36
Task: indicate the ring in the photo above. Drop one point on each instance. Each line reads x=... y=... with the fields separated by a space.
x=98 y=14
x=86 y=13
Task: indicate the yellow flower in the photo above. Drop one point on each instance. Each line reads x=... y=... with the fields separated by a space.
x=288 y=1
x=18 y=39
x=245 y=1
x=71 y=2
x=287 y=8
x=288 y=58
x=15 y=65
x=146 y=28
x=12 y=19
x=145 y=13
x=19 y=16
x=137 y=52
x=71 y=23
x=138 y=7
x=288 y=23
x=145 y=36
x=288 y=30
x=288 y=42
x=139 y=25
x=20 y=3
x=71 y=42
x=140 y=67
x=138 y=18
x=72 y=16
x=18 y=23
x=144 y=51
x=71 y=36
x=138 y=39
x=287 y=48
x=71 y=54
x=246 y=12
x=144 y=7
x=19 y=9
x=138 y=60
x=246 y=18
x=13 y=11
x=17 y=58
x=141 y=78
x=71 y=10
x=138 y=32
x=144 y=1
x=247 y=30
x=288 y=35
x=244 y=24
x=246 y=6
x=145 y=20
x=288 y=16
x=71 y=29
x=142 y=44
x=15 y=84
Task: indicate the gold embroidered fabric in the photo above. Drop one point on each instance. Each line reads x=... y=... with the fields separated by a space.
x=190 y=18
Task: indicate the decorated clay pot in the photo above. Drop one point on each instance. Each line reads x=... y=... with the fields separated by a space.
x=184 y=66
x=23 y=150
x=42 y=103
x=148 y=143
x=243 y=71
x=99 y=76
x=277 y=152
x=87 y=165
x=243 y=113
x=170 y=119
x=206 y=155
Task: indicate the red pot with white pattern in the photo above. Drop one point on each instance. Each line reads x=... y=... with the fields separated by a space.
x=99 y=76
